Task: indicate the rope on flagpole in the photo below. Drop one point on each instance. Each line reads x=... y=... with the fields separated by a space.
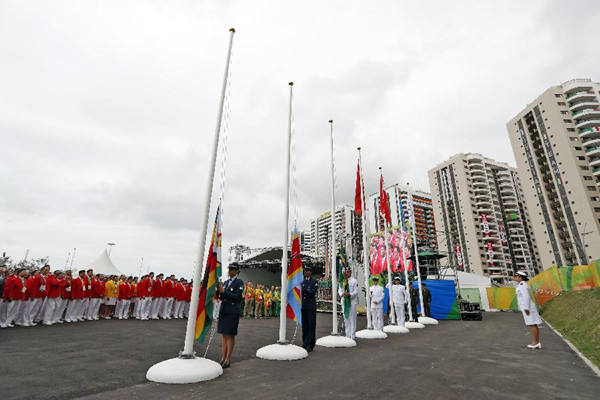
x=212 y=334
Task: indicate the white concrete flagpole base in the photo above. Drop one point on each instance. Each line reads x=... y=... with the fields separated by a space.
x=395 y=329
x=414 y=325
x=428 y=321
x=281 y=352
x=335 y=341
x=182 y=370
x=371 y=334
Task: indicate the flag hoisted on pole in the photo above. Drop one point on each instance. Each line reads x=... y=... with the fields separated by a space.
x=212 y=272
x=284 y=350
x=187 y=368
x=343 y=281
x=294 y=281
x=358 y=192
x=384 y=208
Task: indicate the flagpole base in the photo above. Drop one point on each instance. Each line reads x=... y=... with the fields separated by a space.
x=428 y=321
x=395 y=329
x=182 y=370
x=281 y=352
x=414 y=325
x=335 y=341
x=371 y=334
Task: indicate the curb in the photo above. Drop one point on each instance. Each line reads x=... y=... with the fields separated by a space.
x=572 y=346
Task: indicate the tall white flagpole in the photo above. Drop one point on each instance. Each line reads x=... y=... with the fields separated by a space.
x=366 y=261
x=389 y=270
x=423 y=319
x=188 y=368
x=283 y=350
x=334 y=244
x=335 y=339
x=286 y=230
x=368 y=333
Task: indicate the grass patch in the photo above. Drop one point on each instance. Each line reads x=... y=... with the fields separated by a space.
x=576 y=315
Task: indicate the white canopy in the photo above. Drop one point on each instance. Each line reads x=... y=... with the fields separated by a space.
x=103 y=265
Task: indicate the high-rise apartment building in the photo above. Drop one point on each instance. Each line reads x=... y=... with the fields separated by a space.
x=481 y=219
x=556 y=142
x=424 y=219
x=348 y=230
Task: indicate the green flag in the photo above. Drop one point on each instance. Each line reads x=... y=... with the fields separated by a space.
x=343 y=281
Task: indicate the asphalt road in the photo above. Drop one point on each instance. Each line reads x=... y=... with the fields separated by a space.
x=454 y=360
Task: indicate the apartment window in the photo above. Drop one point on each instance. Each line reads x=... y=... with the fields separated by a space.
x=573 y=139
x=564 y=112
x=594 y=198
x=597 y=209
x=561 y=103
x=577 y=148
x=567 y=121
x=570 y=129
x=586 y=177
x=584 y=168
x=557 y=95
x=591 y=188
x=581 y=158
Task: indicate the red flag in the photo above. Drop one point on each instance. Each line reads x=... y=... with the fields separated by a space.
x=384 y=207
x=357 y=193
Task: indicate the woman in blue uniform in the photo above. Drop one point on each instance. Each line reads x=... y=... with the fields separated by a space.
x=230 y=293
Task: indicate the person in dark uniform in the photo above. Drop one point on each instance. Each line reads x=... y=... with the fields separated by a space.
x=426 y=300
x=309 y=309
x=230 y=293
x=414 y=302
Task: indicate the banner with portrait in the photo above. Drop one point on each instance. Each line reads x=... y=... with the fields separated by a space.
x=378 y=256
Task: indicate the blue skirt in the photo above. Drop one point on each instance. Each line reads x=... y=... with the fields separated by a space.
x=228 y=324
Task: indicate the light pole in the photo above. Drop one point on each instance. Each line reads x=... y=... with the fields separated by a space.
x=110 y=247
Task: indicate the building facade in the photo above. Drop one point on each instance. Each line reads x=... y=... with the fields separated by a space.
x=348 y=228
x=483 y=223
x=556 y=143
x=424 y=218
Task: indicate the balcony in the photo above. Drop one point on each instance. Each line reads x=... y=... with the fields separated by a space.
x=584 y=105
x=576 y=86
x=591 y=132
x=595 y=162
x=588 y=113
x=581 y=96
x=591 y=142
x=592 y=151
x=588 y=123
x=596 y=171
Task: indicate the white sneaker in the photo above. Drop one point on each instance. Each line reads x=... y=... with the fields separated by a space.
x=33 y=324
x=96 y=318
x=58 y=322
x=10 y=325
x=81 y=319
x=48 y=323
x=25 y=324
x=90 y=318
x=3 y=326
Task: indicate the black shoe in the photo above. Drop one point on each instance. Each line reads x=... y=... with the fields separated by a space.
x=225 y=365
x=310 y=349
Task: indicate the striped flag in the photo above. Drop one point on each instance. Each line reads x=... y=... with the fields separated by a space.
x=294 y=281
x=358 y=193
x=212 y=272
x=343 y=281
x=384 y=205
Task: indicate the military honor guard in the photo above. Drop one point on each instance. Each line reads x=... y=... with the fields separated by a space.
x=309 y=310
x=230 y=293
x=400 y=299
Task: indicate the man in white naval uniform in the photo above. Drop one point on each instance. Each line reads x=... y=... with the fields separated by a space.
x=352 y=293
x=377 y=295
x=400 y=299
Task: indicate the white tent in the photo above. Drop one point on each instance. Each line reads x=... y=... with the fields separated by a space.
x=467 y=282
x=103 y=265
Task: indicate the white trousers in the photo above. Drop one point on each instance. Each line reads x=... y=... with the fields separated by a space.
x=186 y=309
x=50 y=309
x=20 y=318
x=123 y=306
x=39 y=316
x=73 y=309
x=155 y=307
x=12 y=309
x=146 y=307
x=400 y=318
x=377 y=316
x=33 y=307
x=3 y=305
x=92 y=309
x=61 y=306
x=167 y=307
x=137 y=305
x=350 y=323
x=177 y=309
x=83 y=307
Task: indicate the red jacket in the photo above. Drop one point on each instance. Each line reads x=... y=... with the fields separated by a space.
x=77 y=292
x=179 y=291
x=88 y=287
x=168 y=290
x=33 y=284
x=142 y=288
x=54 y=286
x=14 y=289
x=97 y=291
x=188 y=292
x=157 y=289
x=124 y=291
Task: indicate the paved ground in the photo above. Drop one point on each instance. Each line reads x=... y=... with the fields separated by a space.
x=454 y=360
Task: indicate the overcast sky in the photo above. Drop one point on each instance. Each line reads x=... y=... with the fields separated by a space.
x=108 y=108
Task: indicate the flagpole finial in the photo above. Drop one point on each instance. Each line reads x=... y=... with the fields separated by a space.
x=232 y=30
x=380 y=168
x=291 y=83
x=358 y=148
x=331 y=121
